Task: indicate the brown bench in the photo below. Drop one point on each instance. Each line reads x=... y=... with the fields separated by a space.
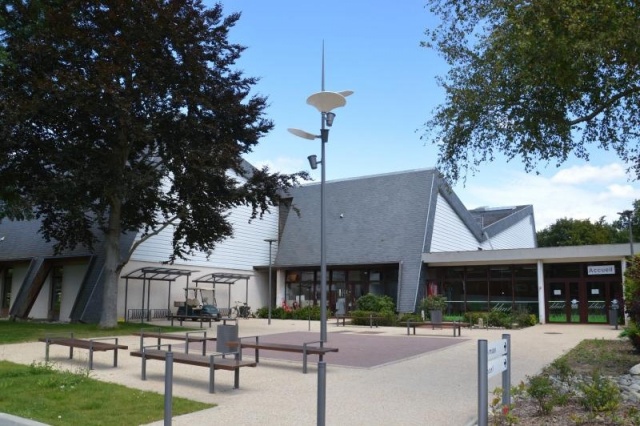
x=305 y=349
x=212 y=361
x=455 y=325
x=373 y=320
x=98 y=344
x=187 y=337
x=182 y=318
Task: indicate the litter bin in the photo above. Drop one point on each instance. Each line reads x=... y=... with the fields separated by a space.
x=613 y=313
x=226 y=333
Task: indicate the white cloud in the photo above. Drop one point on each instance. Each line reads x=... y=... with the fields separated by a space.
x=588 y=173
x=583 y=196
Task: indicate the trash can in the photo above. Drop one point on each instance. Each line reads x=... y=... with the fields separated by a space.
x=613 y=317
x=226 y=333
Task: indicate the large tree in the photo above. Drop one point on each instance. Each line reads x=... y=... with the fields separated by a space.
x=579 y=232
x=122 y=115
x=536 y=80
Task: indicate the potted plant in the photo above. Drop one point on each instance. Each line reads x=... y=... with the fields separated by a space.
x=435 y=304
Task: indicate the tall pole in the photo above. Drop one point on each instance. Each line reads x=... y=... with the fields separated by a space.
x=630 y=235
x=270 y=241
x=324 y=137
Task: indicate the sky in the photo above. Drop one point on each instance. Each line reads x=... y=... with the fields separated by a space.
x=372 y=47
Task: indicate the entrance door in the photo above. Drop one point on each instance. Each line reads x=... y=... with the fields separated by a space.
x=596 y=302
x=564 y=302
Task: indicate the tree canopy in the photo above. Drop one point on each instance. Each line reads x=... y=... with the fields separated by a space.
x=580 y=232
x=123 y=115
x=536 y=80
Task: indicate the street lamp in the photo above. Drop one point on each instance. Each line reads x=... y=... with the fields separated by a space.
x=270 y=241
x=628 y=215
x=324 y=102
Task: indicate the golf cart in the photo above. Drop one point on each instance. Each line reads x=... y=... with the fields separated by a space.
x=198 y=306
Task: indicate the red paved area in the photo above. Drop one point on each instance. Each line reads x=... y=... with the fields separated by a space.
x=357 y=349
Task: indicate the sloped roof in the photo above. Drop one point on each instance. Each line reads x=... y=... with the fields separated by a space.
x=370 y=220
x=22 y=240
x=494 y=220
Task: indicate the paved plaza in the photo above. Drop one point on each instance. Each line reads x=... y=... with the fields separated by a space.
x=380 y=376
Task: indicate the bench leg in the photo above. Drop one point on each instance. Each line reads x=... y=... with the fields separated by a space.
x=143 y=373
x=236 y=378
x=304 y=361
x=46 y=352
x=115 y=357
x=212 y=375
x=91 y=356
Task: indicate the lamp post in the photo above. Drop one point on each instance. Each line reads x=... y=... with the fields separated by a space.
x=270 y=241
x=628 y=215
x=324 y=102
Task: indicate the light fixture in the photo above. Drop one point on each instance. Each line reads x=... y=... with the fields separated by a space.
x=313 y=161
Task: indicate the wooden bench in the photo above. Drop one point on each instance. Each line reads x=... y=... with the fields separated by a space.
x=344 y=319
x=373 y=320
x=182 y=318
x=305 y=349
x=212 y=361
x=455 y=325
x=92 y=345
x=187 y=337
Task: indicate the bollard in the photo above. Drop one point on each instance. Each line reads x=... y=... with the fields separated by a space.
x=168 y=386
x=322 y=392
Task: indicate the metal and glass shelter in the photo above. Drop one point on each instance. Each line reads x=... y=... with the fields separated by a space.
x=226 y=279
x=149 y=275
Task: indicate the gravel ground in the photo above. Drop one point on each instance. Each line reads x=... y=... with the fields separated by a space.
x=434 y=387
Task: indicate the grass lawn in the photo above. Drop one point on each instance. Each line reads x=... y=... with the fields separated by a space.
x=41 y=393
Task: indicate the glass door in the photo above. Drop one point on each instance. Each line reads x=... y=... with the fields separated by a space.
x=557 y=305
x=564 y=302
x=596 y=302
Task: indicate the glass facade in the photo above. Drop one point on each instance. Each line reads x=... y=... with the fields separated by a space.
x=302 y=287
x=505 y=288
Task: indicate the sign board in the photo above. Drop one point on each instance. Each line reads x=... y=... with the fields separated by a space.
x=496 y=366
x=496 y=348
x=601 y=270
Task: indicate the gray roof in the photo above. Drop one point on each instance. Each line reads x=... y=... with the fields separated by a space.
x=370 y=220
x=21 y=240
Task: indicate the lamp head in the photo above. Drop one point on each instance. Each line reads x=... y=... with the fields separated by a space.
x=302 y=134
x=313 y=161
x=326 y=101
x=328 y=118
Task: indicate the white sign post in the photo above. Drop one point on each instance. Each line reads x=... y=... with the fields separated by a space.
x=493 y=358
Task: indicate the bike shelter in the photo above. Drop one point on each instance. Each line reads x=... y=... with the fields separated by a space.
x=148 y=275
x=225 y=279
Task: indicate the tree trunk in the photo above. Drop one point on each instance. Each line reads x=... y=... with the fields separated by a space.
x=112 y=268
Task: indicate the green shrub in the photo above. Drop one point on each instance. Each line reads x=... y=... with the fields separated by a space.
x=472 y=317
x=434 y=302
x=386 y=318
x=541 y=389
x=375 y=303
x=600 y=395
x=632 y=301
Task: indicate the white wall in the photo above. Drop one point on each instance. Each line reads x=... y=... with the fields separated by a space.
x=245 y=249
x=520 y=235
x=449 y=231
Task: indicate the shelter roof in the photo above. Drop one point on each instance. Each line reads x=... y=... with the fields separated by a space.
x=158 y=274
x=221 y=278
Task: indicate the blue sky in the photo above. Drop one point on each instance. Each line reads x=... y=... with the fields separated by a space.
x=373 y=48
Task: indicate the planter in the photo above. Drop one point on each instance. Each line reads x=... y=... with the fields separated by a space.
x=435 y=316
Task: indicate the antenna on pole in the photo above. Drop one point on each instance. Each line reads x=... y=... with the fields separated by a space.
x=322 y=88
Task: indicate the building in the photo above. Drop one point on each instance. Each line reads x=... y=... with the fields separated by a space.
x=403 y=234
